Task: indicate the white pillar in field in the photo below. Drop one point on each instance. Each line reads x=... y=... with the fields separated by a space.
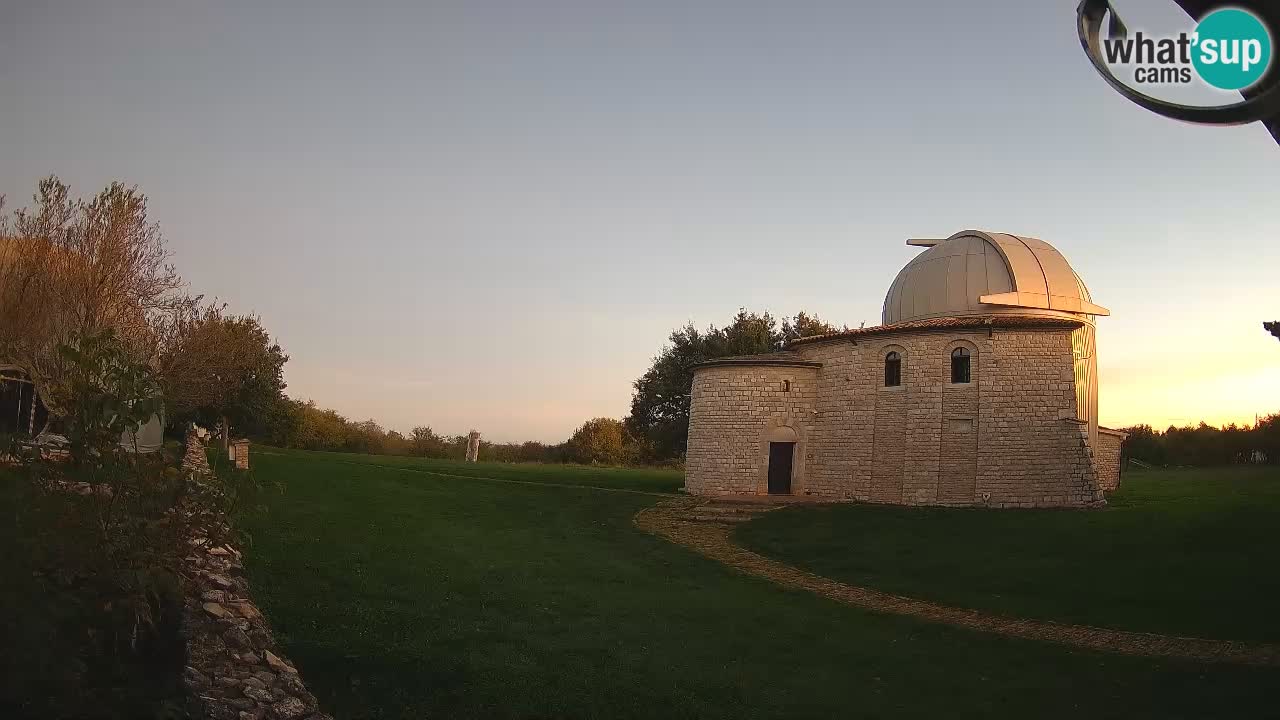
x=473 y=446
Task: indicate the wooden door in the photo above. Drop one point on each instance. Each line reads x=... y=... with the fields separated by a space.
x=781 y=455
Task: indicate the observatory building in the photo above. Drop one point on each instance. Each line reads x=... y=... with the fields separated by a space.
x=979 y=388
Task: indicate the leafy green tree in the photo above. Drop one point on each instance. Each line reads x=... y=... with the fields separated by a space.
x=424 y=442
x=223 y=370
x=1267 y=437
x=806 y=325
x=315 y=428
x=112 y=395
x=1145 y=444
x=1204 y=445
x=599 y=441
x=364 y=437
x=660 y=402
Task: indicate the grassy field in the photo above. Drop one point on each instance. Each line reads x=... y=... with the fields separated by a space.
x=403 y=593
x=1189 y=552
x=646 y=480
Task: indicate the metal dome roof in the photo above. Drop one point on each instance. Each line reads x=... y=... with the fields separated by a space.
x=982 y=273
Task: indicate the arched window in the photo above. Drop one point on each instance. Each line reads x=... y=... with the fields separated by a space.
x=892 y=370
x=960 y=365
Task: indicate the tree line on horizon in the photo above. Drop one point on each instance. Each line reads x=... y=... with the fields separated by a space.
x=1204 y=445
x=79 y=269
x=70 y=268
x=653 y=434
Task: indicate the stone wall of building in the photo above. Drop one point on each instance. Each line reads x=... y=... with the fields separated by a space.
x=840 y=455
x=1107 y=458
x=733 y=412
x=1033 y=451
x=1008 y=438
x=914 y=443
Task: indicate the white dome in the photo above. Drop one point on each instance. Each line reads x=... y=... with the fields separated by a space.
x=980 y=273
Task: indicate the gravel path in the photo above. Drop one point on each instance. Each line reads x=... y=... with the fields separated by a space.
x=705 y=526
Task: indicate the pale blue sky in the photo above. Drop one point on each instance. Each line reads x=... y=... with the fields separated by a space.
x=490 y=215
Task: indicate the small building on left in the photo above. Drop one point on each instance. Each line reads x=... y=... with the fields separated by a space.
x=21 y=411
x=24 y=415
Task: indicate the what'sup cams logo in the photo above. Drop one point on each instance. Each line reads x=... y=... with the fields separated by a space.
x=1230 y=49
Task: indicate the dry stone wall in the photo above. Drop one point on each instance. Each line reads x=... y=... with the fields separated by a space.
x=195 y=459
x=235 y=670
x=1009 y=438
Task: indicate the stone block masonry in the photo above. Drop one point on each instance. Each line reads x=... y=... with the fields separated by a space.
x=238 y=451
x=734 y=413
x=1011 y=437
x=1108 y=458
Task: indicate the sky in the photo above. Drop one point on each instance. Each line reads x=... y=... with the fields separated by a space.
x=491 y=215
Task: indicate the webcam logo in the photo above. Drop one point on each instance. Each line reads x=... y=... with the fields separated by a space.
x=1229 y=49
x=1235 y=49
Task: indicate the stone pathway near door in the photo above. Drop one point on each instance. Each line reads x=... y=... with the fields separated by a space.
x=705 y=526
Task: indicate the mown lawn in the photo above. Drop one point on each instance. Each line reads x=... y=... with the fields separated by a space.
x=647 y=480
x=1187 y=552
x=407 y=595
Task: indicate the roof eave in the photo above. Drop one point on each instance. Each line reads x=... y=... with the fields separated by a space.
x=762 y=362
x=918 y=326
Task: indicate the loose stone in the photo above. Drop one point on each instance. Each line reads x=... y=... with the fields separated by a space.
x=216 y=610
x=288 y=709
x=275 y=663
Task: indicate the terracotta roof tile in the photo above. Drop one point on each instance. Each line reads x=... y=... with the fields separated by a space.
x=945 y=323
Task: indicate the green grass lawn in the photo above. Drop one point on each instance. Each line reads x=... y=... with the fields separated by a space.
x=646 y=480
x=403 y=594
x=1189 y=552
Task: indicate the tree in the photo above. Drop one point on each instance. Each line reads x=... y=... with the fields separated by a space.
x=424 y=442
x=1203 y=445
x=314 y=428
x=1273 y=328
x=222 y=369
x=1267 y=437
x=660 y=403
x=70 y=268
x=599 y=441
x=806 y=325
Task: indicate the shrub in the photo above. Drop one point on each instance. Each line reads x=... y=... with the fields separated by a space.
x=93 y=591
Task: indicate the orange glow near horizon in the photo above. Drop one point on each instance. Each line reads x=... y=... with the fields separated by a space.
x=1218 y=388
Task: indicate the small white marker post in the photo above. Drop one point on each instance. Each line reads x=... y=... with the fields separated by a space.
x=473 y=446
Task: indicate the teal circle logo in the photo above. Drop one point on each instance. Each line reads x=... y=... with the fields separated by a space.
x=1232 y=49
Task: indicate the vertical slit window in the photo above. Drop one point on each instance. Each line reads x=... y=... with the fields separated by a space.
x=960 y=365
x=892 y=370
